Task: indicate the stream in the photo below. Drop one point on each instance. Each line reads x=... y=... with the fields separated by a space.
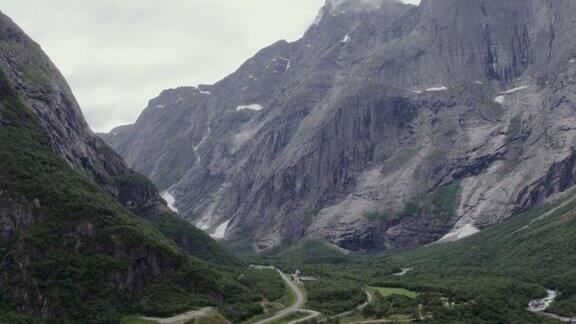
x=540 y=306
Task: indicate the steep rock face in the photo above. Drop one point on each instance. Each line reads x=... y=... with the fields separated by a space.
x=81 y=235
x=386 y=126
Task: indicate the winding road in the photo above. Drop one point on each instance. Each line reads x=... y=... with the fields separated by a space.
x=298 y=305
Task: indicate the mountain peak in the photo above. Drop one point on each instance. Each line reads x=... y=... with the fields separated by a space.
x=359 y=5
x=355 y=7
x=355 y=4
x=378 y=90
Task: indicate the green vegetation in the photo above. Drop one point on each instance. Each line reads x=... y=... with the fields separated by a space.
x=133 y=181
x=489 y=277
x=411 y=208
x=392 y=307
x=515 y=125
x=536 y=245
x=385 y=292
x=266 y=282
x=214 y=318
x=517 y=258
x=37 y=76
x=494 y=274
x=445 y=200
x=135 y=320
x=194 y=241
x=441 y=203
x=9 y=316
x=308 y=251
x=333 y=295
x=384 y=216
x=81 y=247
x=425 y=306
x=275 y=293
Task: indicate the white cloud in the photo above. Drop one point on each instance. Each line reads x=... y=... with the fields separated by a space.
x=119 y=54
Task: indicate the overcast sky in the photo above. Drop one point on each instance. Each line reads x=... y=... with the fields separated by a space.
x=118 y=54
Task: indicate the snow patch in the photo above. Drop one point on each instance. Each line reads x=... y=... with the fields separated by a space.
x=479 y=82
x=433 y=89
x=160 y=106
x=203 y=92
x=202 y=226
x=437 y=89
x=340 y=249
x=460 y=233
x=255 y=107
x=402 y=272
x=516 y=89
x=345 y=39
x=220 y=232
x=501 y=99
x=197 y=146
x=540 y=305
x=572 y=61
x=288 y=61
x=169 y=199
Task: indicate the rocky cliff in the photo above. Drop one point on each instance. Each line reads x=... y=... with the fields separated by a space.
x=387 y=126
x=82 y=237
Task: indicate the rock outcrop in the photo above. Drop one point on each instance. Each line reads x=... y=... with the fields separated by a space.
x=387 y=126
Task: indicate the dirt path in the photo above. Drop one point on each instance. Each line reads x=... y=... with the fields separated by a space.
x=182 y=318
x=559 y=318
x=384 y=321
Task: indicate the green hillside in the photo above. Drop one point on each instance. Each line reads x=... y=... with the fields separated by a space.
x=75 y=254
x=535 y=248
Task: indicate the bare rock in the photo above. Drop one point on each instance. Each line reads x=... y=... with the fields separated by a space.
x=425 y=119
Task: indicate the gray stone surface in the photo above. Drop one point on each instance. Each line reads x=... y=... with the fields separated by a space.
x=380 y=107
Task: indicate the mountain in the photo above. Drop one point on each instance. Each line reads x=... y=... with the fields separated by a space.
x=82 y=237
x=387 y=126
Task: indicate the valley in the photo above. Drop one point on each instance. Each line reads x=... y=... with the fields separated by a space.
x=473 y=279
x=398 y=163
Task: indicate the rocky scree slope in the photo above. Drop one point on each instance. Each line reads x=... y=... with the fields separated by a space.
x=387 y=126
x=82 y=237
